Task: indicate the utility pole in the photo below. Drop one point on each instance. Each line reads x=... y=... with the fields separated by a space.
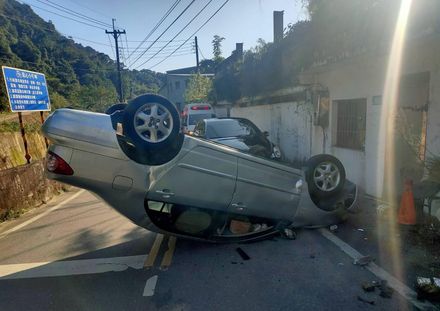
x=197 y=53
x=116 y=34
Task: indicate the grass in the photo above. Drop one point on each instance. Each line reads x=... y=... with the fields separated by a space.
x=14 y=126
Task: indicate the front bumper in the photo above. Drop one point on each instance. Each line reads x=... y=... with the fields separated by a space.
x=312 y=214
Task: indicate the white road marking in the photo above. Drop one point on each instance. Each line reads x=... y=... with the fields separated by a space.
x=27 y=222
x=150 y=286
x=398 y=286
x=72 y=267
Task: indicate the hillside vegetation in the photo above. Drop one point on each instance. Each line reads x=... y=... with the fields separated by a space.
x=77 y=76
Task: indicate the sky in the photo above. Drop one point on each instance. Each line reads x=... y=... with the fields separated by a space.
x=238 y=21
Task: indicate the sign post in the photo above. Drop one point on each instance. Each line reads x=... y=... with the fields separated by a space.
x=27 y=91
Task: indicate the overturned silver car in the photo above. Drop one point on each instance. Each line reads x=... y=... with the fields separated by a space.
x=138 y=160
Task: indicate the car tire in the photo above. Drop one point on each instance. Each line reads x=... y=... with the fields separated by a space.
x=325 y=175
x=151 y=123
x=115 y=107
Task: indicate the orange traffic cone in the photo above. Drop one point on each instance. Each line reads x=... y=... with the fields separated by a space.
x=407 y=210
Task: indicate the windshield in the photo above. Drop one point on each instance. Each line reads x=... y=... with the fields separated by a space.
x=227 y=128
x=193 y=119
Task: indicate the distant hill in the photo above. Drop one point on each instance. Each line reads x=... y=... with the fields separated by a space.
x=77 y=76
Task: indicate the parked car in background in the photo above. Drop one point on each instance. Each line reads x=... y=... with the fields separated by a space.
x=239 y=133
x=193 y=113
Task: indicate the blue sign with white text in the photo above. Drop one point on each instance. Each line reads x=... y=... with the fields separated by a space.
x=27 y=90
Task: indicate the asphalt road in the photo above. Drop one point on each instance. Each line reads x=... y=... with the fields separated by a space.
x=78 y=254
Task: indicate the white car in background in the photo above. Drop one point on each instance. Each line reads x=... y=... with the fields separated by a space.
x=193 y=113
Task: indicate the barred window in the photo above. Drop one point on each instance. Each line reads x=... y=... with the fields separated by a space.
x=351 y=115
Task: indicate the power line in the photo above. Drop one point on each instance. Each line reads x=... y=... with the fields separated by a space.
x=156 y=48
x=167 y=13
x=110 y=41
x=203 y=25
x=73 y=19
x=198 y=13
x=90 y=9
x=160 y=50
x=76 y=14
x=71 y=36
x=200 y=50
x=175 y=20
x=79 y=38
x=55 y=65
x=166 y=53
x=126 y=44
x=154 y=40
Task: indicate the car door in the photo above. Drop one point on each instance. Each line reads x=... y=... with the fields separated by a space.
x=265 y=188
x=203 y=177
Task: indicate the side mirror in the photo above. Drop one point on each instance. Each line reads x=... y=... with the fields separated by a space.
x=266 y=134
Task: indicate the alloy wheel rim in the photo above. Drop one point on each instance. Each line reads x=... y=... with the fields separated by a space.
x=326 y=176
x=153 y=122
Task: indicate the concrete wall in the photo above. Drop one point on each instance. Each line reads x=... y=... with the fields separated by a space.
x=25 y=187
x=289 y=125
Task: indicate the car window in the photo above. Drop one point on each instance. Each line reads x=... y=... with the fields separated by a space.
x=194 y=118
x=229 y=128
x=199 y=130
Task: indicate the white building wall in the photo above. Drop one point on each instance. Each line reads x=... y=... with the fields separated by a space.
x=364 y=77
x=289 y=126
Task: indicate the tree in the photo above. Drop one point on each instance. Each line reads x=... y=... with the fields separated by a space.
x=217 y=48
x=199 y=89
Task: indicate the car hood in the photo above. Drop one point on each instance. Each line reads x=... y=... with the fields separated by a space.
x=233 y=142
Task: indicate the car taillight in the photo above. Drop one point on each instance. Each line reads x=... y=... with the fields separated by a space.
x=56 y=164
x=200 y=108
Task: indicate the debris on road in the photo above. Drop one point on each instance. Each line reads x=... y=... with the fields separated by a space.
x=289 y=234
x=258 y=227
x=243 y=254
x=370 y=286
x=428 y=288
x=363 y=261
x=366 y=299
x=312 y=256
x=239 y=227
x=333 y=228
x=361 y=230
x=385 y=290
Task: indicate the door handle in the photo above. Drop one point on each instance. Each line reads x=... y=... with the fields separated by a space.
x=239 y=206
x=166 y=194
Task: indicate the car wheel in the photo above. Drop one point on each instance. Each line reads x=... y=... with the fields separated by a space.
x=151 y=122
x=325 y=175
x=115 y=107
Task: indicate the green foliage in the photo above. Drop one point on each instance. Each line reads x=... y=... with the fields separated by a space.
x=73 y=72
x=199 y=89
x=217 y=48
